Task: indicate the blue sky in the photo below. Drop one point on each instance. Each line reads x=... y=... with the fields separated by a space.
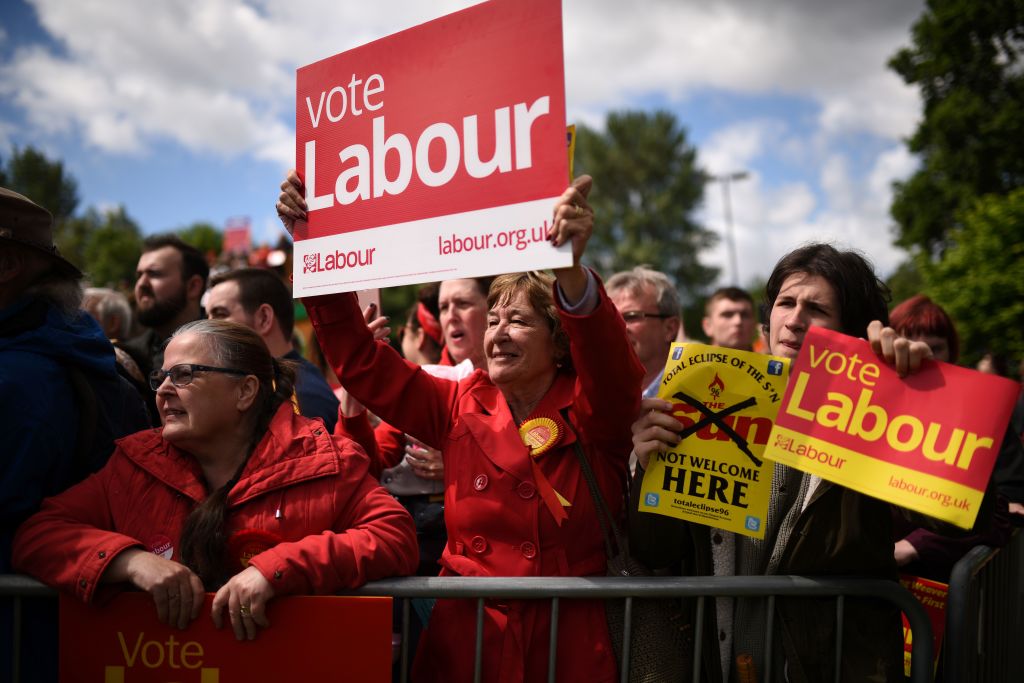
x=184 y=111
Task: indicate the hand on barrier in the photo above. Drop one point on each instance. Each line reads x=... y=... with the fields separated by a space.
x=177 y=591
x=245 y=595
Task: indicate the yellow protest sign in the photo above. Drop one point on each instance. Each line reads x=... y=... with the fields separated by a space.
x=727 y=401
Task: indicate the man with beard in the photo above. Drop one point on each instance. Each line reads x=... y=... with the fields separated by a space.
x=169 y=282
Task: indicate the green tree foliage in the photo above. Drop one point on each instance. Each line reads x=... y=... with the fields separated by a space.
x=112 y=246
x=646 y=186
x=906 y=281
x=966 y=61
x=45 y=182
x=980 y=279
x=203 y=236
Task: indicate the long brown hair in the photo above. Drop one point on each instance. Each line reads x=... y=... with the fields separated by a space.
x=203 y=541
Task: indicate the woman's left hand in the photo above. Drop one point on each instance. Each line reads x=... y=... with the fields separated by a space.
x=245 y=595
x=426 y=462
x=901 y=353
x=573 y=218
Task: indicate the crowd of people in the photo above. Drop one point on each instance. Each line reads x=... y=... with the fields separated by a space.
x=206 y=455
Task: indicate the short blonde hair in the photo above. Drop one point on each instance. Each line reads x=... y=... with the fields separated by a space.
x=538 y=288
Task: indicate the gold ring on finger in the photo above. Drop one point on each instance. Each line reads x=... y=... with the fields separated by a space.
x=579 y=211
x=244 y=610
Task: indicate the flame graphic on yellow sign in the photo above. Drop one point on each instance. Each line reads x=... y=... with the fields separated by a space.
x=717 y=386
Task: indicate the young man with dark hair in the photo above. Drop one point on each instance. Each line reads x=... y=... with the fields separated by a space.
x=260 y=300
x=729 y=319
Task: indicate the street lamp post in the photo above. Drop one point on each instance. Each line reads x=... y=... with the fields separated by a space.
x=726 y=180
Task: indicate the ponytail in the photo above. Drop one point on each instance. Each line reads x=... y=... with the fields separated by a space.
x=203 y=539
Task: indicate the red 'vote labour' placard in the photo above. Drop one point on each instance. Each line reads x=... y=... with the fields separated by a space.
x=309 y=639
x=435 y=153
x=926 y=442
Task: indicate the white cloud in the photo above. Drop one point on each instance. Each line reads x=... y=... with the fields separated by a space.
x=217 y=78
x=791 y=204
x=7 y=132
x=832 y=52
x=770 y=220
x=896 y=163
x=837 y=183
x=736 y=147
x=219 y=75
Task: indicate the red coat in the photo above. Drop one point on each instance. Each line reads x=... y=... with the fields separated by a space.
x=304 y=512
x=498 y=524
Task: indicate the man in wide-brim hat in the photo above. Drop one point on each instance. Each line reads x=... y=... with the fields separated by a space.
x=24 y=223
x=62 y=402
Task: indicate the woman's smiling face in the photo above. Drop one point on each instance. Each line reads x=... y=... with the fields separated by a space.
x=519 y=346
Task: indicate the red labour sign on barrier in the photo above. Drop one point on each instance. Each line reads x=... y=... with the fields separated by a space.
x=319 y=638
x=434 y=153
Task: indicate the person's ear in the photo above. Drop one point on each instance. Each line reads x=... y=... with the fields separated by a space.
x=248 y=390
x=705 y=324
x=420 y=338
x=672 y=326
x=264 y=319
x=194 y=287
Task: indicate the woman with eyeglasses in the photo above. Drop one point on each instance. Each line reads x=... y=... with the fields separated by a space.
x=235 y=494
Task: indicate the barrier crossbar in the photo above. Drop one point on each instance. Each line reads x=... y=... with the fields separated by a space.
x=985 y=615
x=557 y=589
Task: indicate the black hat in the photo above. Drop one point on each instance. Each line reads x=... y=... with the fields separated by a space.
x=24 y=222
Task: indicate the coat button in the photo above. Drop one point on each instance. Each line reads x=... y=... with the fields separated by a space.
x=83 y=583
x=526 y=490
x=529 y=550
x=717 y=538
x=277 y=575
x=480 y=483
x=102 y=554
x=478 y=544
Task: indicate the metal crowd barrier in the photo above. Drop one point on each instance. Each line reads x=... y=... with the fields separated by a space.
x=985 y=616
x=557 y=589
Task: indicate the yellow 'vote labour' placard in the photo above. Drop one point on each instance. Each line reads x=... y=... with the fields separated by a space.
x=926 y=442
x=726 y=401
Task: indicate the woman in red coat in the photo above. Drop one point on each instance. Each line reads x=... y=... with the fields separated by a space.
x=235 y=494
x=561 y=375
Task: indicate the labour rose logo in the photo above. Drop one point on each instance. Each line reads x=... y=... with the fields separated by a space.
x=310 y=261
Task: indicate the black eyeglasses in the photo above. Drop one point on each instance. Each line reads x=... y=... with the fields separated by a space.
x=637 y=316
x=183 y=374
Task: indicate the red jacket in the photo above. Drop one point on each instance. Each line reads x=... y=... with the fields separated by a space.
x=304 y=512
x=498 y=524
